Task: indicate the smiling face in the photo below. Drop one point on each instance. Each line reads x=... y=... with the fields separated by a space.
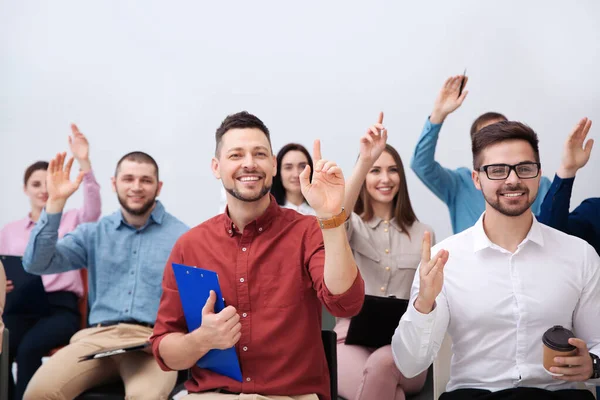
x=292 y=165
x=137 y=186
x=245 y=164
x=512 y=196
x=383 y=180
x=35 y=189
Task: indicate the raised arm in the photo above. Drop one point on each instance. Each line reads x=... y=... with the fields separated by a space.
x=372 y=144
x=441 y=181
x=554 y=210
x=92 y=204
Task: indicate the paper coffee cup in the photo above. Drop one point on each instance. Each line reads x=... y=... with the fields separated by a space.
x=556 y=344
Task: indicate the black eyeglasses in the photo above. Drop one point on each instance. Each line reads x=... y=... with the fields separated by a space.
x=524 y=170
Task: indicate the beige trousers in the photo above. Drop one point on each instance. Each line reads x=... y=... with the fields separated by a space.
x=221 y=396
x=63 y=377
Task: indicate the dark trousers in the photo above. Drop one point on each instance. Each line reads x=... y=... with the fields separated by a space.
x=523 y=393
x=32 y=336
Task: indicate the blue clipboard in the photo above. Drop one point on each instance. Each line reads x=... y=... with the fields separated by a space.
x=194 y=286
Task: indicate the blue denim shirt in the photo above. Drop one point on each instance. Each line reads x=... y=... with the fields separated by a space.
x=455 y=186
x=125 y=264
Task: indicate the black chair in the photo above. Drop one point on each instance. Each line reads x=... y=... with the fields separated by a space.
x=330 y=347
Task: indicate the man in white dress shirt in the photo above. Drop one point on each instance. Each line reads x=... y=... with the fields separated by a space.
x=496 y=287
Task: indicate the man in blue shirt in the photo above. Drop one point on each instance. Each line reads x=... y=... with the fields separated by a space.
x=125 y=254
x=584 y=221
x=455 y=186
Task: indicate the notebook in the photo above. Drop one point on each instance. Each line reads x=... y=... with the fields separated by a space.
x=114 y=351
x=376 y=322
x=28 y=295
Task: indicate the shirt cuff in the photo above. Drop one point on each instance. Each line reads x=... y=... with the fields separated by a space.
x=51 y=220
x=155 y=342
x=563 y=181
x=429 y=124
x=421 y=321
x=346 y=304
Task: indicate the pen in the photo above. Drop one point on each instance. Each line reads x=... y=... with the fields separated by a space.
x=462 y=83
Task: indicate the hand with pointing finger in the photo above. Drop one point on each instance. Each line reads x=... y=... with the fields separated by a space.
x=325 y=193
x=431 y=276
x=372 y=144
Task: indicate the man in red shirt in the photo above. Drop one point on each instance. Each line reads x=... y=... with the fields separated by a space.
x=276 y=267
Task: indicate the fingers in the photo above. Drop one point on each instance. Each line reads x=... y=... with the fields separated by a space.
x=580 y=344
x=319 y=165
x=448 y=82
x=588 y=147
x=231 y=322
x=227 y=313
x=69 y=165
x=380 y=119
x=79 y=178
x=463 y=96
x=327 y=166
x=209 y=307
x=316 y=151
x=75 y=130
x=305 y=177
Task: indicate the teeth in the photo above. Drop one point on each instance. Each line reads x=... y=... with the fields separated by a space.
x=248 y=178
x=385 y=189
x=513 y=194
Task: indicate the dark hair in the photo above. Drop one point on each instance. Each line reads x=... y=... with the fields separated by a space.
x=277 y=188
x=139 y=157
x=240 y=120
x=501 y=132
x=36 y=166
x=403 y=211
x=484 y=119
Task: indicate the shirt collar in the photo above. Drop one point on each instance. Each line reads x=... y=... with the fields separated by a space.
x=156 y=216
x=481 y=240
x=375 y=221
x=260 y=224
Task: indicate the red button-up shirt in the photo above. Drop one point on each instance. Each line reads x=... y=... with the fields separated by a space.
x=272 y=273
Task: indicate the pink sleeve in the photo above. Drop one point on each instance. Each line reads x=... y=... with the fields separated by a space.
x=92 y=204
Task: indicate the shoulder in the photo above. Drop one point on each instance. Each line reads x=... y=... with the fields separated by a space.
x=174 y=223
x=21 y=223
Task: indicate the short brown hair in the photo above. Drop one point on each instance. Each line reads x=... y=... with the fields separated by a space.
x=484 y=119
x=36 y=166
x=403 y=211
x=139 y=157
x=501 y=132
x=239 y=120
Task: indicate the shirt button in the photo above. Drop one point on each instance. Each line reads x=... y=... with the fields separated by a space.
x=129 y=292
x=135 y=252
x=385 y=230
x=126 y=310
x=248 y=379
x=387 y=268
x=242 y=280
x=383 y=288
x=245 y=348
x=387 y=251
x=244 y=315
x=243 y=249
x=260 y=229
x=386 y=222
x=132 y=272
x=229 y=231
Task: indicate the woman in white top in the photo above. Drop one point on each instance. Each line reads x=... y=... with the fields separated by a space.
x=291 y=160
x=385 y=237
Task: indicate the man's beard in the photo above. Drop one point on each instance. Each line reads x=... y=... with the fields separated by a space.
x=232 y=191
x=509 y=212
x=137 y=211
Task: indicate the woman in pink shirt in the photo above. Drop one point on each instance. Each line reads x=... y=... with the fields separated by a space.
x=33 y=336
x=385 y=236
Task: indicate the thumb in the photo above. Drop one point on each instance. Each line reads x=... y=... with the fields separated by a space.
x=305 y=178
x=79 y=178
x=463 y=96
x=588 y=147
x=209 y=307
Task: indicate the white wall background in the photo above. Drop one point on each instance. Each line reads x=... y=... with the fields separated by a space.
x=159 y=76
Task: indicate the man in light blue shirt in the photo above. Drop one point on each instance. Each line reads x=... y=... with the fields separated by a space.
x=455 y=186
x=125 y=254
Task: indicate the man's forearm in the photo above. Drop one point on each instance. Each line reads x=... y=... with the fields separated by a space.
x=340 y=268
x=180 y=351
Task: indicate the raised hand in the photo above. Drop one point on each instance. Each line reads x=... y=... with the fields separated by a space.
x=80 y=148
x=58 y=182
x=372 y=144
x=578 y=368
x=222 y=330
x=431 y=276
x=575 y=153
x=325 y=193
x=448 y=99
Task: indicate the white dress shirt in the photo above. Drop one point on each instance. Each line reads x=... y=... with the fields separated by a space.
x=496 y=306
x=303 y=208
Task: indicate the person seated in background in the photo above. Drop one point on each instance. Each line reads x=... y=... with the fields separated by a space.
x=125 y=254
x=455 y=186
x=499 y=286
x=291 y=161
x=385 y=237
x=276 y=269
x=584 y=221
x=33 y=336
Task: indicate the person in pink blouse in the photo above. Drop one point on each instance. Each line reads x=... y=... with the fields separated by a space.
x=33 y=336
